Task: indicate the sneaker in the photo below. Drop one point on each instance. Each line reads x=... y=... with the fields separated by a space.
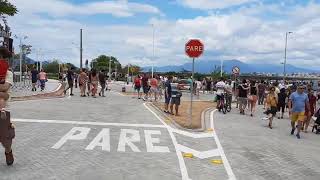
x=71 y=94
x=9 y=158
x=292 y=131
x=298 y=136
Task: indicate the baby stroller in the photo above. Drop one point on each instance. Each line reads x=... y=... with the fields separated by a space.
x=316 y=126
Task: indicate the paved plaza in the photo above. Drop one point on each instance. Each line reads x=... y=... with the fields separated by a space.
x=120 y=137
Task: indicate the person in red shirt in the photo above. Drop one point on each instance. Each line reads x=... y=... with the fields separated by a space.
x=137 y=85
x=309 y=114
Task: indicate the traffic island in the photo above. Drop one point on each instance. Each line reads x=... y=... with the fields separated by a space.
x=199 y=107
x=58 y=93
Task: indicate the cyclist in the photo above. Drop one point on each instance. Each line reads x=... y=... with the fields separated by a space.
x=220 y=86
x=228 y=89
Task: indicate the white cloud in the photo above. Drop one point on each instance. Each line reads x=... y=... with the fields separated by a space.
x=59 y=8
x=212 y=4
x=243 y=35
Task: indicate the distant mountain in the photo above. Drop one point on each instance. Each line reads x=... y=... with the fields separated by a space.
x=208 y=66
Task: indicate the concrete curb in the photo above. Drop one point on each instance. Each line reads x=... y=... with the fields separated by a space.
x=176 y=125
x=57 y=93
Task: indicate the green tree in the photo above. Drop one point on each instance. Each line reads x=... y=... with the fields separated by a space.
x=102 y=62
x=52 y=67
x=70 y=65
x=6 y=8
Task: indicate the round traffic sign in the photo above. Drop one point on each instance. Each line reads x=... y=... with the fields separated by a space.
x=236 y=70
x=194 y=48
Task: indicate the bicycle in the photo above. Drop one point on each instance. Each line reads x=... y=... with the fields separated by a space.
x=222 y=105
x=228 y=102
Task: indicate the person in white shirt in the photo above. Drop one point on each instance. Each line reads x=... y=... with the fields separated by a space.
x=220 y=86
x=199 y=86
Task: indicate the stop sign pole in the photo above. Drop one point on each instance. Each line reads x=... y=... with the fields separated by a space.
x=194 y=49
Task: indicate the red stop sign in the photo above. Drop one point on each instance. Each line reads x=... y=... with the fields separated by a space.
x=194 y=48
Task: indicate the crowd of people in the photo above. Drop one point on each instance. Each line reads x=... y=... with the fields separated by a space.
x=299 y=99
x=155 y=88
x=87 y=81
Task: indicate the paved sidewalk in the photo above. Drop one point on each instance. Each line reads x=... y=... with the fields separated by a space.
x=21 y=90
x=257 y=152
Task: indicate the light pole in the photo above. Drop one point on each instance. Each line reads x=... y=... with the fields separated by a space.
x=285 y=57
x=153 y=48
x=81 y=50
x=21 y=51
x=110 y=68
x=221 y=68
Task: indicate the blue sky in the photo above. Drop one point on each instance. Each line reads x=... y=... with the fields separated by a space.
x=248 y=30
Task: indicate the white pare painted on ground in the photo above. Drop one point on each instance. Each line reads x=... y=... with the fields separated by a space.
x=129 y=140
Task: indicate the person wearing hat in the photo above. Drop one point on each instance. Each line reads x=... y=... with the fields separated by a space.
x=298 y=105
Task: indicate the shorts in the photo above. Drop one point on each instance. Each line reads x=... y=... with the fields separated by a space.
x=272 y=110
x=243 y=101
x=137 y=88
x=219 y=97
x=297 y=116
x=281 y=107
x=154 y=90
x=33 y=81
x=167 y=99
x=145 y=89
x=175 y=101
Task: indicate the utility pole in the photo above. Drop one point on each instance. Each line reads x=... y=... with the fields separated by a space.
x=21 y=51
x=128 y=73
x=110 y=68
x=81 y=49
x=285 y=57
x=221 y=68
x=153 y=49
x=116 y=70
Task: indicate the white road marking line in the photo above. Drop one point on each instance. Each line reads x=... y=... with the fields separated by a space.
x=88 y=123
x=223 y=155
x=199 y=154
x=193 y=135
x=117 y=93
x=183 y=168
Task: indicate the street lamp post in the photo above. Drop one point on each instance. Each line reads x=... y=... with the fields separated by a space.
x=21 y=51
x=81 y=50
x=110 y=68
x=221 y=68
x=153 y=48
x=285 y=57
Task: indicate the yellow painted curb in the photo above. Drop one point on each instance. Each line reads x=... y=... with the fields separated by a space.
x=210 y=130
x=188 y=155
x=216 y=161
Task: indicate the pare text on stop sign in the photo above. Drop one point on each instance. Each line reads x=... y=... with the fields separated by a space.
x=194 y=48
x=129 y=140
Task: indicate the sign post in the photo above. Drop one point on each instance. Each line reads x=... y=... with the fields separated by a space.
x=194 y=48
x=235 y=72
